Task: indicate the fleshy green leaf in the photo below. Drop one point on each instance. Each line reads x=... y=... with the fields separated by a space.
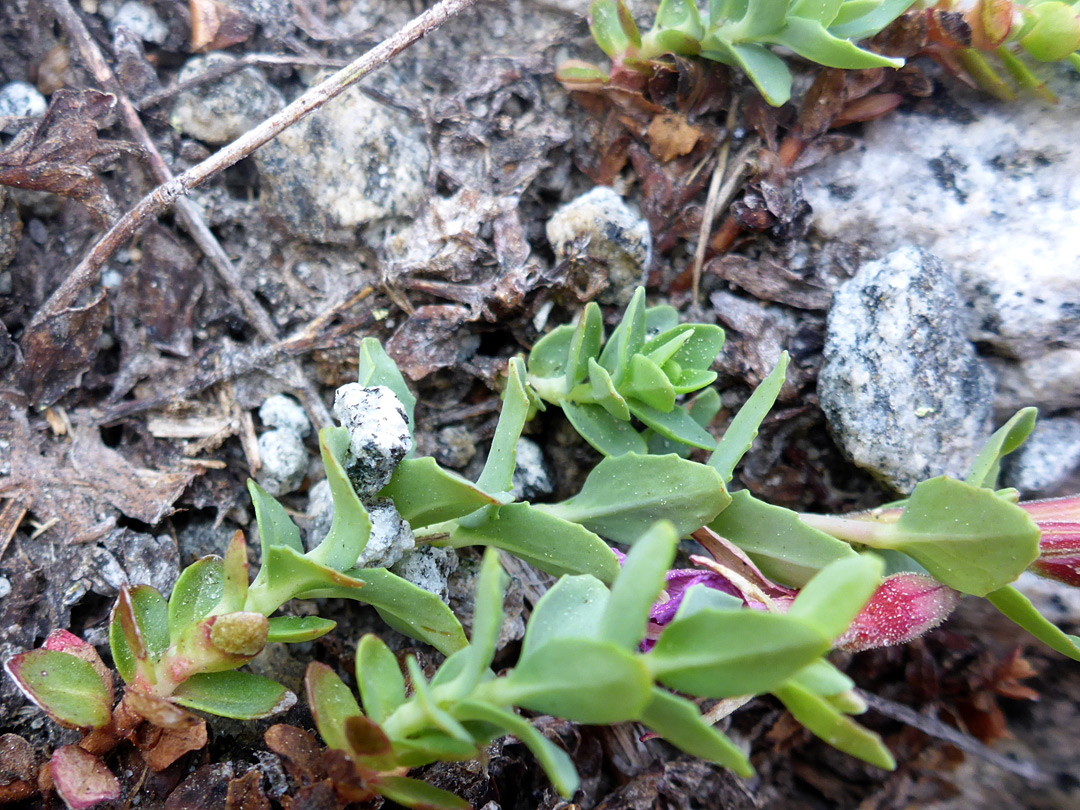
x=1019 y=609
x=702 y=409
x=966 y=537
x=487 y=620
x=835 y=728
x=239 y=695
x=648 y=383
x=67 y=687
x=418 y=794
x=678 y=721
x=382 y=686
x=833 y=598
x=498 y=472
x=762 y=17
x=742 y=431
x=432 y=746
x=603 y=431
x=681 y=15
x=376 y=368
x=638 y=585
x=580 y=680
x=822 y=678
x=603 y=391
x=197 y=591
x=669 y=40
x=434 y=713
x=548 y=358
x=295 y=629
x=606 y=28
x=276 y=528
x=850 y=11
x=286 y=574
x=351 y=527
x=764 y=68
x=555 y=762
x=870 y=23
x=627 y=339
x=624 y=496
x=331 y=702
x=150 y=616
x=235 y=572
x=676 y=424
x=585 y=344
x=407 y=608
x=572 y=608
x=425 y=493
x=701 y=597
x=726 y=653
x=985 y=468
x=824 y=11
x=809 y=39
x=551 y=543
x=781 y=545
x=696 y=352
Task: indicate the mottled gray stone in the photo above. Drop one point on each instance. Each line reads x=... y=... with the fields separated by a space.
x=282 y=411
x=319 y=512
x=349 y=164
x=141 y=20
x=454 y=446
x=391 y=537
x=21 y=99
x=599 y=225
x=531 y=478
x=428 y=567
x=1049 y=456
x=378 y=431
x=903 y=391
x=284 y=461
x=991 y=189
x=223 y=110
x=11 y=229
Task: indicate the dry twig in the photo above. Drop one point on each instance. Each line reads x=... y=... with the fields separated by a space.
x=173 y=189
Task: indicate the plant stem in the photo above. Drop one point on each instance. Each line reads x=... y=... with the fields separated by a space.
x=865 y=532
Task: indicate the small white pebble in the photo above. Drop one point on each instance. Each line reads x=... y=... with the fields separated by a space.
x=378 y=432
x=5 y=587
x=282 y=411
x=284 y=460
x=21 y=99
x=531 y=479
x=140 y=20
x=391 y=537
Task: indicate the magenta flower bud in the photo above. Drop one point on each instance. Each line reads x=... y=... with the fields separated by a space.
x=1059 y=556
x=903 y=608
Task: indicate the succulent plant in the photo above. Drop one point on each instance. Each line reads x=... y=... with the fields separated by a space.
x=738 y=33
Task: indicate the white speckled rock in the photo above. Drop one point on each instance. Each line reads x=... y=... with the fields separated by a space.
x=379 y=434
x=141 y=20
x=320 y=513
x=903 y=391
x=284 y=461
x=350 y=163
x=1049 y=456
x=1049 y=380
x=282 y=411
x=429 y=568
x=599 y=225
x=21 y=98
x=222 y=110
x=531 y=479
x=991 y=189
x=391 y=537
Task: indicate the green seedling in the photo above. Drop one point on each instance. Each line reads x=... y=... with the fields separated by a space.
x=738 y=33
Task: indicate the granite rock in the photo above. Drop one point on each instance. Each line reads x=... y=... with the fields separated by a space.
x=222 y=110
x=902 y=389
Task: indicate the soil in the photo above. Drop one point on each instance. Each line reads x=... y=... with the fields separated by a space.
x=131 y=421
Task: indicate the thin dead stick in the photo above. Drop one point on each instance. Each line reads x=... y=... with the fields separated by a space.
x=711 y=202
x=188 y=213
x=87 y=271
x=215 y=73
x=935 y=728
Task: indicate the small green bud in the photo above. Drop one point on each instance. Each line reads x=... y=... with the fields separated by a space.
x=240 y=633
x=1053 y=31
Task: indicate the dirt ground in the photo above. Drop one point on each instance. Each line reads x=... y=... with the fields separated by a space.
x=131 y=420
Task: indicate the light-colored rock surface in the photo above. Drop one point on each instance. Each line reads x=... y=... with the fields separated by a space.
x=220 y=111
x=351 y=163
x=1049 y=456
x=282 y=411
x=379 y=433
x=284 y=461
x=21 y=99
x=903 y=391
x=599 y=225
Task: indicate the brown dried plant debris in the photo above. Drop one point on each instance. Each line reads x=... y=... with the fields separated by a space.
x=62 y=154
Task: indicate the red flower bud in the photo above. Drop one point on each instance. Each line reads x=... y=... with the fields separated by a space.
x=903 y=608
